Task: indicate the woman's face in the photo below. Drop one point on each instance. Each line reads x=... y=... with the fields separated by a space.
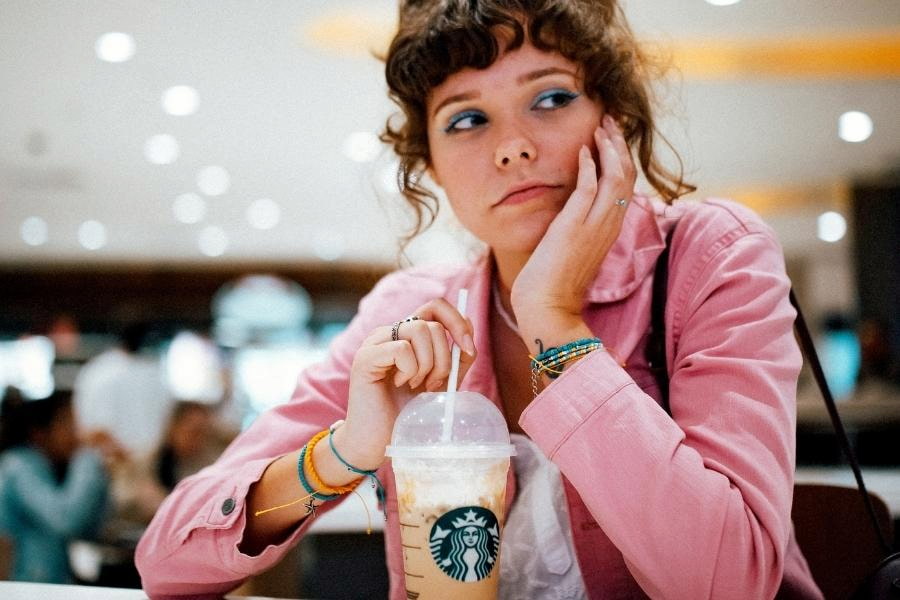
x=504 y=143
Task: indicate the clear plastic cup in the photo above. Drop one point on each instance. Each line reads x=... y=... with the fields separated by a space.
x=451 y=488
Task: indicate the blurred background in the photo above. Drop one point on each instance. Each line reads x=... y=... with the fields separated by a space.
x=193 y=196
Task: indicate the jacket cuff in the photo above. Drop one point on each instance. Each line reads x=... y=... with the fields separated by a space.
x=569 y=401
x=227 y=512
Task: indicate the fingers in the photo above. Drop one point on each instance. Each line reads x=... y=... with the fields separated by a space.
x=618 y=140
x=585 y=192
x=441 y=369
x=425 y=359
x=377 y=361
x=446 y=314
x=617 y=168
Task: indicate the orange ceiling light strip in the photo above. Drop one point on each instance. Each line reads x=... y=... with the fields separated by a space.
x=864 y=55
x=769 y=200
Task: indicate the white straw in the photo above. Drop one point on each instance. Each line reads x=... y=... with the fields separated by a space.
x=454 y=372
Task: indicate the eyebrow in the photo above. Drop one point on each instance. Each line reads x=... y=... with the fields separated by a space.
x=524 y=78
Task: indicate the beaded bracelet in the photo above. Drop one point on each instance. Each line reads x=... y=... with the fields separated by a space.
x=552 y=358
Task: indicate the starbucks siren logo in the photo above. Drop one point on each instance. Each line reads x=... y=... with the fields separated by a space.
x=464 y=543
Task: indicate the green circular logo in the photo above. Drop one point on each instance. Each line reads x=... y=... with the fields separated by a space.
x=465 y=542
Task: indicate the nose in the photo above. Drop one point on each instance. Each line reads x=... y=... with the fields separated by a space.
x=514 y=150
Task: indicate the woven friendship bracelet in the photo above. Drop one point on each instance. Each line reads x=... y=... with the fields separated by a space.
x=306 y=486
x=376 y=483
x=314 y=475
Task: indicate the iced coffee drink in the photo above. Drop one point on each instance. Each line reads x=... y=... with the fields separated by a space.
x=451 y=496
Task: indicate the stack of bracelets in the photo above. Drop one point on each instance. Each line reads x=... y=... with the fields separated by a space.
x=553 y=360
x=324 y=492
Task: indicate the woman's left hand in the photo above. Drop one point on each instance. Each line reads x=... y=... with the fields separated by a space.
x=548 y=294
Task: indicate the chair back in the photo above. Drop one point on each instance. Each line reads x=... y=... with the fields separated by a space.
x=835 y=533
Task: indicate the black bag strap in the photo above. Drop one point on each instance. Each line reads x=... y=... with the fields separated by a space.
x=656 y=359
x=655 y=351
x=809 y=350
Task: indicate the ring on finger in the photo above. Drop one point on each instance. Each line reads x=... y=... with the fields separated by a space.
x=623 y=202
x=395 y=328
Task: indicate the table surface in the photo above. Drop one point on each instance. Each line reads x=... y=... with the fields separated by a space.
x=883 y=482
x=15 y=590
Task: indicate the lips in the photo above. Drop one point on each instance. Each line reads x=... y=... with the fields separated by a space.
x=526 y=191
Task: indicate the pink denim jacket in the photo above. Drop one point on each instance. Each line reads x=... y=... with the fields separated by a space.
x=696 y=505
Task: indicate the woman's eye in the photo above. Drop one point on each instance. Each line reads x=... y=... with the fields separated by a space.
x=465 y=120
x=553 y=99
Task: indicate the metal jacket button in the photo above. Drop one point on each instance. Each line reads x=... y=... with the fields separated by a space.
x=228 y=506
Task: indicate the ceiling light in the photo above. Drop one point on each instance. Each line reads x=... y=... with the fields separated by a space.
x=212 y=241
x=362 y=146
x=328 y=245
x=92 y=235
x=722 y=2
x=189 y=208
x=213 y=181
x=114 y=47
x=263 y=214
x=180 y=100
x=831 y=226
x=34 y=231
x=855 y=126
x=161 y=149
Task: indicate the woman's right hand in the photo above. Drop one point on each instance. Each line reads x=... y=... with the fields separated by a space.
x=384 y=372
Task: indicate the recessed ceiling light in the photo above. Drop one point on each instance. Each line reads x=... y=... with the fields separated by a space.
x=213 y=180
x=212 y=241
x=831 y=226
x=34 y=231
x=362 y=146
x=855 y=126
x=189 y=208
x=263 y=213
x=162 y=149
x=328 y=245
x=114 y=47
x=180 y=100
x=722 y=2
x=92 y=235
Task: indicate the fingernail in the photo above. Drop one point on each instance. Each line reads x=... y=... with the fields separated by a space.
x=468 y=345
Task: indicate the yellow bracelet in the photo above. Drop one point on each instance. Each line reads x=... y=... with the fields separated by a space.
x=317 y=481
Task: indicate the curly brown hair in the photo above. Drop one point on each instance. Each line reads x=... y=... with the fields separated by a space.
x=437 y=38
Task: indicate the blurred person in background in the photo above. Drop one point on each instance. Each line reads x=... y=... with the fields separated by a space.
x=53 y=485
x=122 y=393
x=192 y=440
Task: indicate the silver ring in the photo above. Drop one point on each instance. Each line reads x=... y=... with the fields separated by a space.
x=395 y=329
x=622 y=202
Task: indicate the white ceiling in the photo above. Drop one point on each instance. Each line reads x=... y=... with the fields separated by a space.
x=275 y=111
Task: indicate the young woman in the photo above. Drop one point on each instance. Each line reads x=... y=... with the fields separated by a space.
x=52 y=489
x=527 y=114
